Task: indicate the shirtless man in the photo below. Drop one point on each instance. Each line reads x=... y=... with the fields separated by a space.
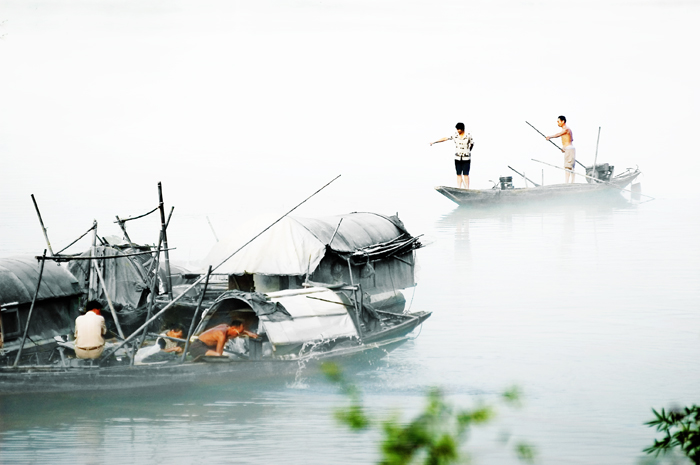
x=211 y=342
x=567 y=138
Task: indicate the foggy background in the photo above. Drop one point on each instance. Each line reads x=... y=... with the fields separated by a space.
x=244 y=107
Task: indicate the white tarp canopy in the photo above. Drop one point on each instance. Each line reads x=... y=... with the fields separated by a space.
x=295 y=246
x=320 y=318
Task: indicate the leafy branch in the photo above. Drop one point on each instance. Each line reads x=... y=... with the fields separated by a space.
x=681 y=429
x=434 y=437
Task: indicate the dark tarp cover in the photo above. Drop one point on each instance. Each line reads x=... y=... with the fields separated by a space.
x=261 y=305
x=19 y=277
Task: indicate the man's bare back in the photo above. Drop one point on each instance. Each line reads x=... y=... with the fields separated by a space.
x=218 y=335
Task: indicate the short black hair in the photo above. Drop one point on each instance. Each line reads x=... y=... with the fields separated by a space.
x=92 y=305
x=236 y=323
x=563 y=118
x=460 y=126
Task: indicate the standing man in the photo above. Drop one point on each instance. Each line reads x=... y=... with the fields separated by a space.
x=211 y=342
x=567 y=139
x=463 y=154
x=89 y=332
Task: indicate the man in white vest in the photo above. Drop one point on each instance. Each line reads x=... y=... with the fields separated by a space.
x=89 y=332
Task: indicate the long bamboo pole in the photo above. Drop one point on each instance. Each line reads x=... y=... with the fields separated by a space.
x=524 y=177
x=31 y=310
x=109 y=301
x=194 y=317
x=84 y=234
x=595 y=160
x=597 y=180
x=200 y=279
x=65 y=258
x=552 y=142
x=91 y=278
x=43 y=228
x=163 y=227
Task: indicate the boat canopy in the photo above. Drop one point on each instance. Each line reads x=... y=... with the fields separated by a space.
x=295 y=246
x=19 y=277
x=289 y=317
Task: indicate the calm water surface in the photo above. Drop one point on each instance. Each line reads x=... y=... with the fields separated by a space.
x=591 y=310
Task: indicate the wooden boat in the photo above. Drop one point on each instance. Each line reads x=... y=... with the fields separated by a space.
x=297 y=328
x=554 y=192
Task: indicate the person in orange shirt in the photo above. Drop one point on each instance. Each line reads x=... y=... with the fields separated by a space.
x=89 y=332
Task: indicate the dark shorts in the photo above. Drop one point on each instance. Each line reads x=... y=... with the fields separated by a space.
x=462 y=167
x=198 y=348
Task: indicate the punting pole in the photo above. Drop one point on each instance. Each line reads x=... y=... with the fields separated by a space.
x=552 y=142
x=164 y=226
x=591 y=177
x=201 y=278
x=194 y=317
x=46 y=236
x=525 y=177
x=31 y=310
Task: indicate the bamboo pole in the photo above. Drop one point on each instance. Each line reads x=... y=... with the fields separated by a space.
x=591 y=177
x=200 y=279
x=31 y=310
x=91 y=275
x=194 y=317
x=109 y=301
x=43 y=229
x=356 y=316
x=84 y=234
x=212 y=230
x=164 y=226
x=124 y=220
x=121 y=225
x=65 y=258
x=153 y=291
x=552 y=142
x=595 y=160
x=524 y=177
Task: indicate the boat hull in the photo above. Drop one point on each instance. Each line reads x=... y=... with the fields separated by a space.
x=554 y=192
x=214 y=370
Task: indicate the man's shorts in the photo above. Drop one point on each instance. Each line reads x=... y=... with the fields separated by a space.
x=198 y=348
x=462 y=167
x=569 y=157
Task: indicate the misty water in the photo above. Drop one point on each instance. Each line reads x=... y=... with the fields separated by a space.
x=246 y=108
x=592 y=310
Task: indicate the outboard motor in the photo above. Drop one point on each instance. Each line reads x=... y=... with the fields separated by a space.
x=506 y=182
x=603 y=172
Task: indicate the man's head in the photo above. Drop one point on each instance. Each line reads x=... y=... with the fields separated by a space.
x=93 y=306
x=459 y=127
x=235 y=328
x=176 y=331
x=561 y=120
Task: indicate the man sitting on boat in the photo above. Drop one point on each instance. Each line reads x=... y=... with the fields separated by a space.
x=567 y=138
x=89 y=332
x=212 y=341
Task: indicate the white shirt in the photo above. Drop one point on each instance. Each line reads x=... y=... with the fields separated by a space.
x=463 y=146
